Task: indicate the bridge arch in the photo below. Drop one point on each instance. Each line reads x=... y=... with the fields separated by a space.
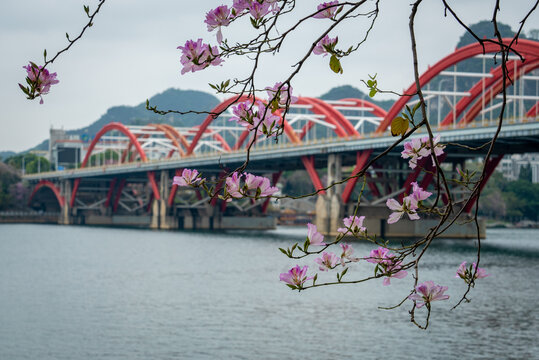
x=525 y=47
x=46 y=184
x=132 y=138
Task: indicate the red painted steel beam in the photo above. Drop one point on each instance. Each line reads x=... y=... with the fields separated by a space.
x=118 y=195
x=174 y=189
x=489 y=170
x=308 y=162
x=361 y=161
x=50 y=185
x=109 y=193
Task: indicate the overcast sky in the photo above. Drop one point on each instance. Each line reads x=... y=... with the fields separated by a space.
x=130 y=54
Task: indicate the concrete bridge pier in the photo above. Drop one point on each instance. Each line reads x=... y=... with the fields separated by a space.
x=66 y=217
x=161 y=218
x=329 y=207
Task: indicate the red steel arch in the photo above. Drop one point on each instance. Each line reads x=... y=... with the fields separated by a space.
x=50 y=185
x=525 y=47
x=495 y=90
x=132 y=138
x=533 y=111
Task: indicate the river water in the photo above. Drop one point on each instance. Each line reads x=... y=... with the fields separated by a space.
x=70 y=292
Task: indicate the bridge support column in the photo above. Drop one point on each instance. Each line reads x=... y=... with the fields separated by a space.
x=329 y=207
x=65 y=212
x=160 y=209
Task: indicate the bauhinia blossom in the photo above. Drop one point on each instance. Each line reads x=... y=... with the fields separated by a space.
x=466 y=273
x=188 y=177
x=296 y=276
x=414 y=150
x=378 y=256
x=255 y=116
x=428 y=292
x=215 y=18
x=327 y=261
x=323 y=45
x=325 y=11
x=392 y=270
x=347 y=252
x=354 y=225
x=232 y=187
x=256 y=186
x=281 y=95
x=408 y=206
x=419 y=148
x=315 y=238
x=259 y=10
x=418 y=194
x=198 y=56
x=41 y=84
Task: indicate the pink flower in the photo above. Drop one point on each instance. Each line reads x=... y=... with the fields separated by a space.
x=438 y=148
x=353 y=224
x=188 y=177
x=198 y=56
x=257 y=186
x=264 y=188
x=392 y=270
x=216 y=18
x=323 y=45
x=379 y=256
x=41 y=83
x=347 y=252
x=327 y=261
x=295 y=276
x=232 y=186
x=281 y=95
x=427 y=293
x=240 y=5
x=259 y=10
x=328 y=12
x=414 y=150
x=418 y=194
x=255 y=116
x=314 y=237
x=466 y=273
x=409 y=206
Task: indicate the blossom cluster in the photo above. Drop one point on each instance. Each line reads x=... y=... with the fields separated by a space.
x=409 y=205
x=420 y=148
x=253 y=186
x=388 y=265
x=40 y=81
x=235 y=188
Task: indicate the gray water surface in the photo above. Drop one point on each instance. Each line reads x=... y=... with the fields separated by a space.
x=70 y=292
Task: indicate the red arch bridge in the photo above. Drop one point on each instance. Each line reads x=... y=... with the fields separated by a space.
x=329 y=139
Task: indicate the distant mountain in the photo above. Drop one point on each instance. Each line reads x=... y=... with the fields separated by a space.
x=347 y=91
x=171 y=99
x=5 y=154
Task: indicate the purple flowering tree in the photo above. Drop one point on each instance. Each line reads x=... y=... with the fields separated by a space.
x=264 y=112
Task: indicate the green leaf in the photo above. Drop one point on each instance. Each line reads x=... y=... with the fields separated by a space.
x=344 y=272
x=87 y=10
x=372 y=92
x=283 y=251
x=45 y=54
x=253 y=22
x=293 y=287
x=306 y=245
x=335 y=64
x=315 y=278
x=416 y=107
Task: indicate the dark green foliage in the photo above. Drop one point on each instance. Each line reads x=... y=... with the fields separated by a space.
x=297 y=183
x=510 y=200
x=525 y=173
x=485 y=29
x=32 y=163
x=8 y=178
